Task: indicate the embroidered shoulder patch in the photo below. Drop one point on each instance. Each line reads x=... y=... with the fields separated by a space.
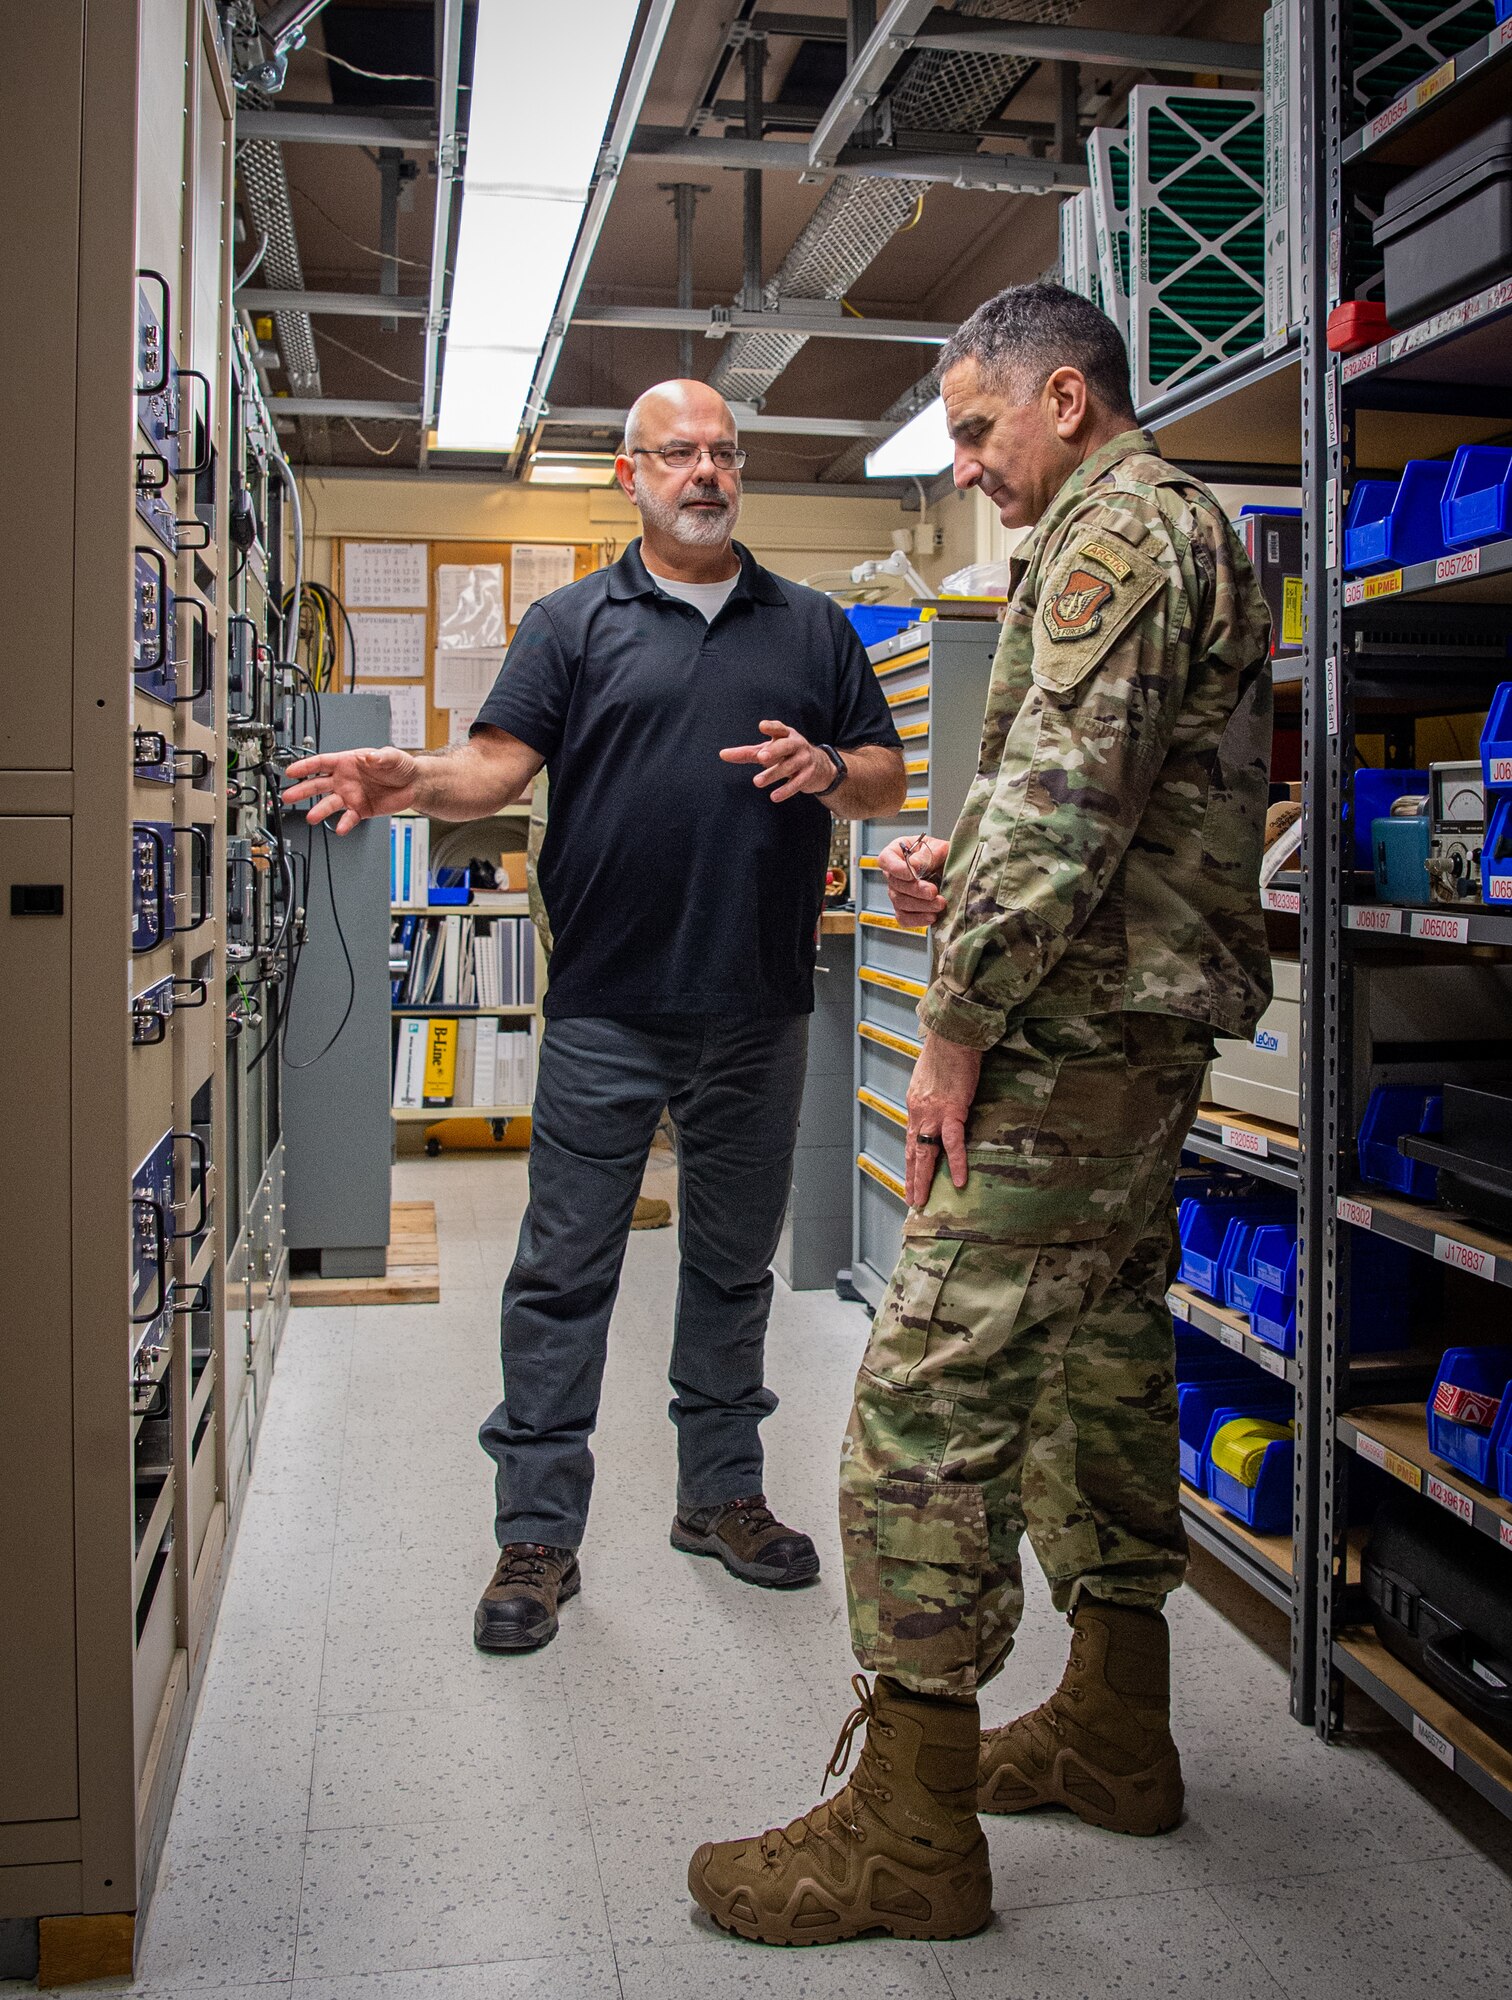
x=1111 y=560
x=1075 y=611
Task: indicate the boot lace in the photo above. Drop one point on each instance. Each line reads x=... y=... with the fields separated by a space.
x=844 y=1809
x=524 y=1562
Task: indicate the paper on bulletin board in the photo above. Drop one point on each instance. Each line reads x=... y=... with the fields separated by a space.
x=535 y=570
x=463 y=680
x=390 y=645
x=459 y=724
x=407 y=717
x=470 y=605
x=384 y=574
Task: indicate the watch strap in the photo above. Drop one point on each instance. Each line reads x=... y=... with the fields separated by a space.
x=841 y=773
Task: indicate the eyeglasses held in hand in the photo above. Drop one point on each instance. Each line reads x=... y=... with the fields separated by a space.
x=724 y=457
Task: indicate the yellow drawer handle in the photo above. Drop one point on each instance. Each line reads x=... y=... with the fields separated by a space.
x=915 y=765
x=888 y=1040
x=881 y=1175
x=909 y=659
x=909 y=731
x=882 y=1105
x=903 y=695
x=914 y=988
x=876 y=922
x=914 y=806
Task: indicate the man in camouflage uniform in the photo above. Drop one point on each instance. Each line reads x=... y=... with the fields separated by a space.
x=1098 y=923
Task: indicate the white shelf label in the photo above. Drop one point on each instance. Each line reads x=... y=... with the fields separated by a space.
x=1378 y=917
x=1499 y=889
x=1506 y=1534
x=1503 y=37
x=1501 y=770
x=1375 y=1453
x=1272 y=1362
x=1360 y=1213
x=1466 y=563
x=1286 y=902
x=1441 y=930
x=1456 y=1502
x=1436 y=1745
x=1238 y=1139
x=1356 y=365
x=1354 y=593
x=1331 y=686
x=1179 y=1307
x=1229 y=1336
x=1464 y=1257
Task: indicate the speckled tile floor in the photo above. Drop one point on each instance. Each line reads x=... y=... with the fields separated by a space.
x=371 y=1810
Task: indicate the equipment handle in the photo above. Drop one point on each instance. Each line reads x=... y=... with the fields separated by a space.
x=200 y=464
x=160 y=895
x=201 y=1161
x=164 y=318
x=160 y=1247
x=165 y=599
x=199 y=863
x=198 y=684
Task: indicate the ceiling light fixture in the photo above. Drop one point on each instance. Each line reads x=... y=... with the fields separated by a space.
x=571 y=468
x=532 y=153
x=921 y=448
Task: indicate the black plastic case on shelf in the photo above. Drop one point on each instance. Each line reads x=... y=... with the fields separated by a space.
x=1446 y=230
x=1472 y=1151
x=1441 y=1600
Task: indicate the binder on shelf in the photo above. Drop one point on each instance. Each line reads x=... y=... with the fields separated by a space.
x=485 y=1060
x=409 y=1065
x=462 y=1082
x=440 y=1061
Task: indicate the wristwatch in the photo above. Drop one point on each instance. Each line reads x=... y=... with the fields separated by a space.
x=841 y=773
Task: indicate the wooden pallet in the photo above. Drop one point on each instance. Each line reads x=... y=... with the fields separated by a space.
x=413 y=1277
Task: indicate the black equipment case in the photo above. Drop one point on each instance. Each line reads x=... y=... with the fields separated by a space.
x=1441 y=1600
x=1446 y=231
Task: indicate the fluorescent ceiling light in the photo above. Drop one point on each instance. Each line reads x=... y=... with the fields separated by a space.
x=920 y=449
x=544 y=80
x=563 y=468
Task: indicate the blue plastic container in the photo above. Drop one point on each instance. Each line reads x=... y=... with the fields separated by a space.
x=1266 y=1507
x=1370 y=798
x=1203 y=1221
x=1487 y=1368
x=1496 y=853
x=1496 y=739
x=1196 y=1403
x=1501 y=1447
x=1238 y=1280
x=876 y=622
x=1394 y=1109
x=1477 y=503
x=1199 y=1359
x=1407 y=529
x=1399 y=850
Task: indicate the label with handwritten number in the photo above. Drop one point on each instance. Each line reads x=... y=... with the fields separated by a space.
x=1436 y=1745
x=1375 y=1453
x=1378 y=917
x=1285 y=902
x=1360 y=1213
x=1506 y=1534
x=1457 y=1503
x=1464 y=1257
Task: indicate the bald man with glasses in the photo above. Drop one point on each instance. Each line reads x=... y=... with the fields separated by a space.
x=702 y=722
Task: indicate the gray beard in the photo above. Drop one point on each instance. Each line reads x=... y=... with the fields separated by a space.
x=702 y=531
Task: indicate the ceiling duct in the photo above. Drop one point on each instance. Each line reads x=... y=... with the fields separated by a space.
x=265 y=190
x=857 y=216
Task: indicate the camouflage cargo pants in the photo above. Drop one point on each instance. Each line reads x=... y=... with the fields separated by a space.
x=1021 y=1367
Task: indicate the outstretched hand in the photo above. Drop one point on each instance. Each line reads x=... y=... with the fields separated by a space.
x=787 y=760
x=358 y=784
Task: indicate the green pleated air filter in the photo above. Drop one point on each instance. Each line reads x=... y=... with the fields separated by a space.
x=1389 y=44
x=1108 y=170
x=1197 y=188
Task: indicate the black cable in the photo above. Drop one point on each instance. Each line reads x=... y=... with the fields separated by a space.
x=351 y=999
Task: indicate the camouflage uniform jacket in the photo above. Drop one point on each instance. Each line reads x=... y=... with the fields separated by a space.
x=1107 y=857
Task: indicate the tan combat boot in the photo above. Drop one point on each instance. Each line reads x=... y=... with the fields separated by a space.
x=899 y=1851
x=1101 y=1745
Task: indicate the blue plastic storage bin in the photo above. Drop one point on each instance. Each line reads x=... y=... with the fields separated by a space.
x=1501 y=1445
x=1496 y=739
x=1487 y=1368
x=1265 y=1507
x=876 y=622
x=1477 y=503
x=1496 y=852
x=1408 y=528
x=1203 y=1221
x=1252 y=1395
x=1238 y=1280
x=1371 y=795
x=1394 y=1109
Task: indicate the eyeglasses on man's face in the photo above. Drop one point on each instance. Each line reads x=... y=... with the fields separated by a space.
x=678 y=457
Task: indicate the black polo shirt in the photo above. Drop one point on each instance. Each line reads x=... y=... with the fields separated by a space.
x=673 y=885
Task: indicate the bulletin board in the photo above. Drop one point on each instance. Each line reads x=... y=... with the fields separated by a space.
x=433 y=620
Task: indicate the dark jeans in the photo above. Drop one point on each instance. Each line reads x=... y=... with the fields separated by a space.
x=732 y=1085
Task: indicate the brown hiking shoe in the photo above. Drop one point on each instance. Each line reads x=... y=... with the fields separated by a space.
x=1101 y=1745
x=518 y=1611
x=900 y=1850
x=651 y=1212
x=750 y=1541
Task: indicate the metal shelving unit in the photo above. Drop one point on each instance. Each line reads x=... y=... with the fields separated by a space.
x=1421 y=392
